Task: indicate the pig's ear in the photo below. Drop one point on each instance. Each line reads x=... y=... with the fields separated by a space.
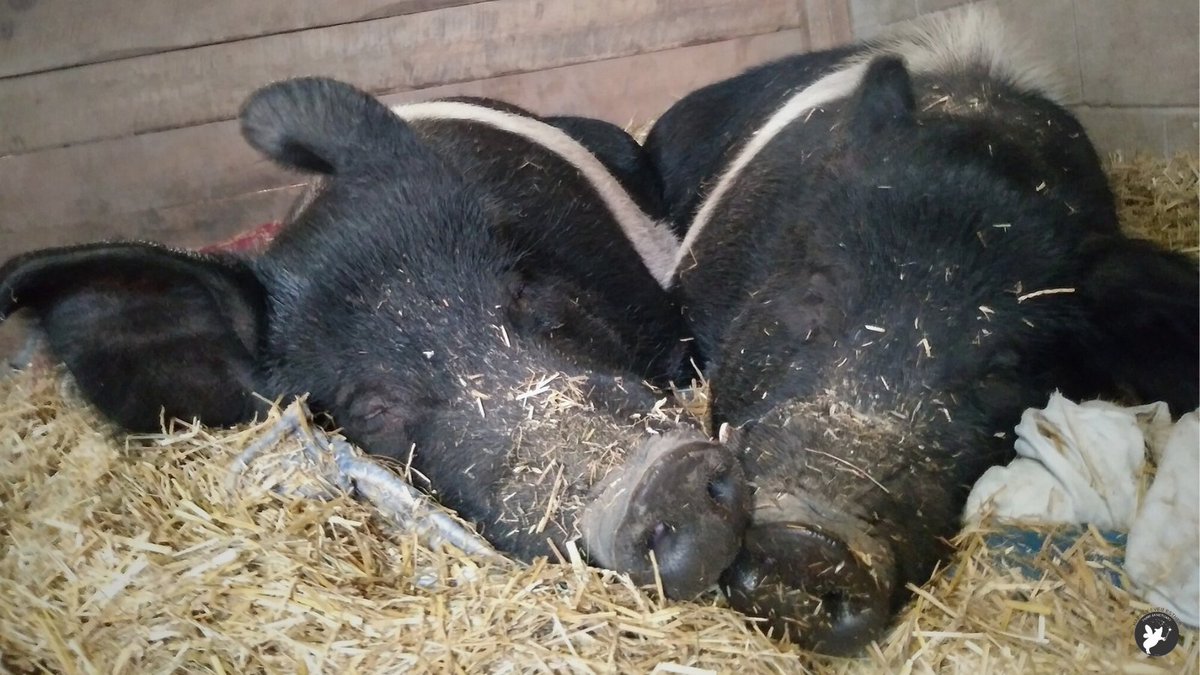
x=884 y=99
x=323 y=126
x=146 y=330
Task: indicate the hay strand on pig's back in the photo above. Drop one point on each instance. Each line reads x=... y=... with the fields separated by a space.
x=136 y=559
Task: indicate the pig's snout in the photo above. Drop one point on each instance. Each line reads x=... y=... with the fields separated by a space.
x=827 y=592
x=680 y=497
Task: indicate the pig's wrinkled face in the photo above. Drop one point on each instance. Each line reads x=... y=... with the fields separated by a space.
x=847 y=508
x=598 y=457
x=535 y=449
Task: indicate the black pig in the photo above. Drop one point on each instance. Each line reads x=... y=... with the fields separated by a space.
x=448 y=293
x=893 y=249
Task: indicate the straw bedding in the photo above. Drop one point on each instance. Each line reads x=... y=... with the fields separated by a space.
x=135 y=555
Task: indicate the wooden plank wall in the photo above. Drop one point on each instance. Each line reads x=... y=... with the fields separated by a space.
x=117 y=117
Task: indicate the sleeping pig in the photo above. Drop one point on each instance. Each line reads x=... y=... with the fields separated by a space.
x=467 y=287
x=891 y=250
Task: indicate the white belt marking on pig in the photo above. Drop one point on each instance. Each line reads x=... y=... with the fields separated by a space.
x=834 y=86
x=653 y=241
x=973 y=37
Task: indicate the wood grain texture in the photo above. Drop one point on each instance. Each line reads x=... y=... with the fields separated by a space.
x=828 y=23
x=456 y=44
x=192 y=225
x=148 y=186
x=37 y=35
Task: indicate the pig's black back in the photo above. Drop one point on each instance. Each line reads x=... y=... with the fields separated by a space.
x=980 y=149
x=550 y=214
x=622 y=154
x=695 y=137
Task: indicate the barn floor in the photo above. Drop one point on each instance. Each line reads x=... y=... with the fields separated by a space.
x=134 y=556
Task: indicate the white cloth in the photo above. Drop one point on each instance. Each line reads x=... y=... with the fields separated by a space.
x=1162 y=555
x=1082 y=463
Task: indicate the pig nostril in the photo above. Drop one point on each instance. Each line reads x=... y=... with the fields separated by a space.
x=656 y=536
x=835 y=606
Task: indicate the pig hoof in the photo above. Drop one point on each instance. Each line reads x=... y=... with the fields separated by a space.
x=809 y=586
x=682 y=498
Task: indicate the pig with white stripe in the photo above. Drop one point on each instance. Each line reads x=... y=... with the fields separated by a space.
x=465 y=291
x=891 y=250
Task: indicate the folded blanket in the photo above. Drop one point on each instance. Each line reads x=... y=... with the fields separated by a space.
x=1083 y=463
x=1163 y=554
